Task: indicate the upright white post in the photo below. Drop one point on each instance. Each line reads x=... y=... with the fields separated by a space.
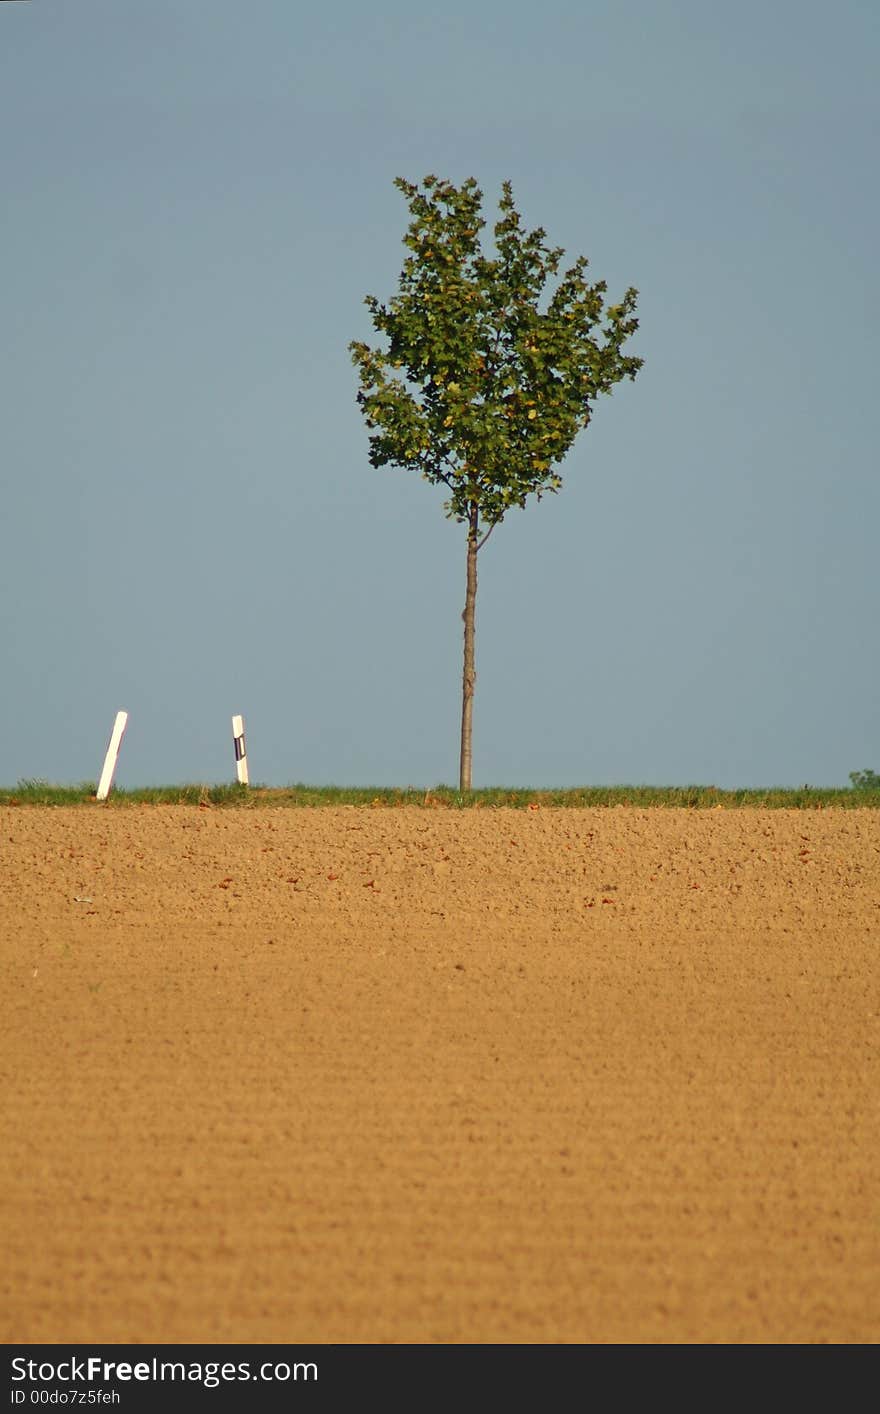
x=240 y=752
x=112 y=755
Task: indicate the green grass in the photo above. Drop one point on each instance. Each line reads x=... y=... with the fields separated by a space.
x=38 y=792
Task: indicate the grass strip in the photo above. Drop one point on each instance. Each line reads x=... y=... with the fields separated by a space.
x=299 y=796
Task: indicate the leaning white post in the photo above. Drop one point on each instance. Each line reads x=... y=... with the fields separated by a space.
x=112 y=755
x=240 y=752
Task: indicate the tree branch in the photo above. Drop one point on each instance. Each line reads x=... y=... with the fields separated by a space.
x=481 y=543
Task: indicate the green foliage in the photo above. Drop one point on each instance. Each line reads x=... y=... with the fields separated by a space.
x=488 y=373
x=865 y=780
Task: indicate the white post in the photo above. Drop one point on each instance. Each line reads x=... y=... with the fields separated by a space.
x=112 y=754
x=240 y=752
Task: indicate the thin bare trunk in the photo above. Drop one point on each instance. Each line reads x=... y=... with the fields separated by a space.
x=469 y=676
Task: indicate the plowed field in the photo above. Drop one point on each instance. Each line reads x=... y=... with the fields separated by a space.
x=437 y=1076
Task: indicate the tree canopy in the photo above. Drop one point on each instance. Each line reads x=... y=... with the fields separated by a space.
x=486 y=378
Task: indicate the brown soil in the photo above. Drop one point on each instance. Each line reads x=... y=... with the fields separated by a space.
x=414 y=1076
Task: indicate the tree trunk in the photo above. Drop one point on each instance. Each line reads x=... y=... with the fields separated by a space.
x=469 y=676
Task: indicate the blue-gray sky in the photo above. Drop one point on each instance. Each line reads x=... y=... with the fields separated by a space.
x=197 y=195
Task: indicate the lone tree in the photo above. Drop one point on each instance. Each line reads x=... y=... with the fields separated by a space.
x=487 y=376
